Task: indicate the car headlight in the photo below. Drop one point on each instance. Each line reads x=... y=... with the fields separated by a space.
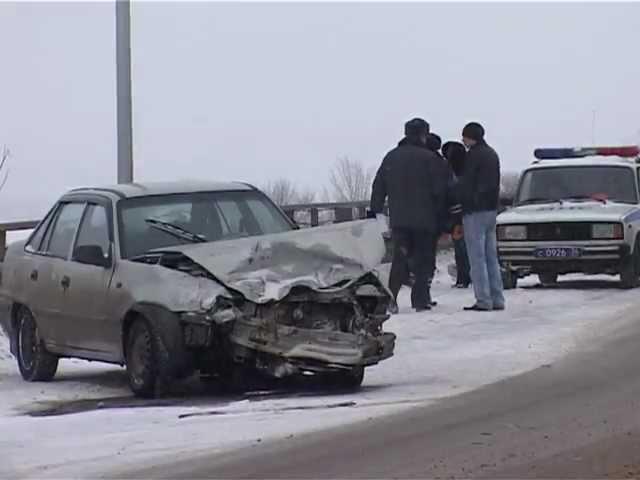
x=512 y=232
x=607 y=231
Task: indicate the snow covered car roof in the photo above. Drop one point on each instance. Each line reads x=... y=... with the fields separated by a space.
x=597 y=161
x=133 y=190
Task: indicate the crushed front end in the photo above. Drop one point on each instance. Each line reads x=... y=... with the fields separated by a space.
x=307 y=332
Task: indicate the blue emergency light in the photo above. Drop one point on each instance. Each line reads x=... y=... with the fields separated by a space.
x=581 y=152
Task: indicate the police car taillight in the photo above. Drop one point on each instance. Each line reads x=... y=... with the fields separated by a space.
x=560 y=153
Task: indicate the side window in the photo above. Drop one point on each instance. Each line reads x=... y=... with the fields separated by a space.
x=269 y=219
x=94 y=229
x=35 y=242
x=231 y=218
x=64 y=229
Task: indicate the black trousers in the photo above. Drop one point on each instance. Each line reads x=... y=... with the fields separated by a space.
x=462 y=262
x=416 y=246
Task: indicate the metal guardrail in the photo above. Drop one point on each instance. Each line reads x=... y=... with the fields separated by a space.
x=305 y=215
x=13 y=227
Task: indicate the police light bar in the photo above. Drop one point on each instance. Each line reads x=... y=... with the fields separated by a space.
x=581 y=152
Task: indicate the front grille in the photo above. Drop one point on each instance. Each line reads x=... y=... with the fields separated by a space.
x=565 y=232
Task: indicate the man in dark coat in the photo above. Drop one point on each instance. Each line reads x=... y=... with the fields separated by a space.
x=480 y=199
x=415 y=182
x=455 y=153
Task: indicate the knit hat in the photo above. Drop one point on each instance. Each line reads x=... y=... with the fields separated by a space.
x=473 y=131
x=434 y=142
x=416 y=127
x=453 y=150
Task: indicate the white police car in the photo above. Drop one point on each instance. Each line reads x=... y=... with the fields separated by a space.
x=577 y=210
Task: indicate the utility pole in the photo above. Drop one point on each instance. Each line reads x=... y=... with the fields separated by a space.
x=593 y=128
x=123 y=91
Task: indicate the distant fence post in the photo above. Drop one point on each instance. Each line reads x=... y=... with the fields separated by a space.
x=315 y=217
x=3 y=243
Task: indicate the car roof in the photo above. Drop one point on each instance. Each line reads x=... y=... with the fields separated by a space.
x=145 y=189
x=596 y=161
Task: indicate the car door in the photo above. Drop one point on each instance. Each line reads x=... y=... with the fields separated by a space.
x=32 y=274
x=84 y=297
x=49 y=274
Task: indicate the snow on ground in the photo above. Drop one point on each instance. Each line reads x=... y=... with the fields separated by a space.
x=440 y=353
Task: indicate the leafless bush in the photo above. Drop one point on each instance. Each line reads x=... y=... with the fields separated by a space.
x=306 y=196
x=509 y=184
x=4 y=166
x=350 y=181
x=284 y=192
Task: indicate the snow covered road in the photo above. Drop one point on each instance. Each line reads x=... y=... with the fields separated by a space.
x=439 y=354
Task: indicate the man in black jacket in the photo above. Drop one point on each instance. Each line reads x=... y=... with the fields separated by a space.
x=480 y=195
x=415 y=182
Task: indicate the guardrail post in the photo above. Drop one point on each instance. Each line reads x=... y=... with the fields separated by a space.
x=315 y=220
x=3 y=243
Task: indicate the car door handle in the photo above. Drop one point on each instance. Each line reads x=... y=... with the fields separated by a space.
x=34 y=275
x=65 y=282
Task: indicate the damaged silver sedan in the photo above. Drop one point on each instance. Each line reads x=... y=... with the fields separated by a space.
x=172 y=279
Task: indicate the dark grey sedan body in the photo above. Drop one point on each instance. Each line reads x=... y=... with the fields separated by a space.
x=172 y=278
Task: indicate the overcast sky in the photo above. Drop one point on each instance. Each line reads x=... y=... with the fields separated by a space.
x=254 y=92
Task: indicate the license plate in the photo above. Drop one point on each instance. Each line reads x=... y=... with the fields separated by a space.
x=558 y=252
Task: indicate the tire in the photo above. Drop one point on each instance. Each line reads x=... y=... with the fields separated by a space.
x=349 y=380
x=145 y=359
x=630 y=274
x=548 y=278
x=509 y=279
x=34 y=362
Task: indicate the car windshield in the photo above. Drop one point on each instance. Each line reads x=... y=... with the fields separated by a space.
x=148 y=223
x=611 y=183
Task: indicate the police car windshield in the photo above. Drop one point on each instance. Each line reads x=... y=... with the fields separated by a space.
x=553 y=184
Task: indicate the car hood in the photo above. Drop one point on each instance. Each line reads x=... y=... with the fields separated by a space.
x=567 y=212
x=266 y=268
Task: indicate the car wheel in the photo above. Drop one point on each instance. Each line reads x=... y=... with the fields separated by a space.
x=548 y=278
x=349 y=380
x=143 y=361
x=34 y=362
x=630 y=274
x=509 y=279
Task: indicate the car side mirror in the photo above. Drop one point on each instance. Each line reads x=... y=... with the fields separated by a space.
x=92 y=255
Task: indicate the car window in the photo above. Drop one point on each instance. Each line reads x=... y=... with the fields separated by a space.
x=64 y=229
x=35 y=242
x=94 y=229
x=267 y=217
x=232 y=217
x=211 y=216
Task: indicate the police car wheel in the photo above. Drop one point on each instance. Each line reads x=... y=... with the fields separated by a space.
x=548 y=278
x=630 y=274
x=509 y=279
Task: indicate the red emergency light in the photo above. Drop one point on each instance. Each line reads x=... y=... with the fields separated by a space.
x=581 y=152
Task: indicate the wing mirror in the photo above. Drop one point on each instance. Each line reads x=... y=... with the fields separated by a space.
x=92 y=255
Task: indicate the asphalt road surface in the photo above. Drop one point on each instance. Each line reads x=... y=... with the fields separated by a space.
x=579 y=418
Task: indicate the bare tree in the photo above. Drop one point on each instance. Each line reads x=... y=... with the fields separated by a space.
x=509 y=184
x=306 y=196
x=282 y=191
x=4 y=166
x=350 y=180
